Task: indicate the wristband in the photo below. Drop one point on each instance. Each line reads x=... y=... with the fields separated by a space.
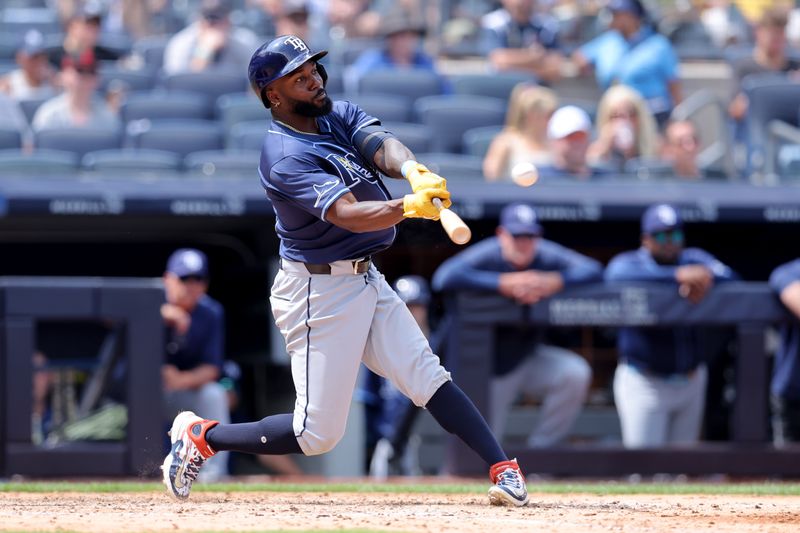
x=407 y=166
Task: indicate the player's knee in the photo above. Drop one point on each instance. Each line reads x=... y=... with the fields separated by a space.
x=578 y=376
x=317 y=444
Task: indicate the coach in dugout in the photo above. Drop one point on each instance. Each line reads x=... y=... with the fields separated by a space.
x=521 y=265
x=785 y=387
x=661 y=376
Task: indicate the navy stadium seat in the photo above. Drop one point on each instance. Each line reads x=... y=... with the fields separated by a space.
x=454 y=167
x=179 y=136
x=211 y=84
x=30 y=106
x=247 y=135
x=496 y=84
x=77 y=140
x=39 y=163
x=411 y=84
x=417 y=137
x=130 y=161
x=158 y=105
x=134 y=80
x=449 y=117
x=242 y=107
x=223 y=163
x=10 y=139
x=478 y=140
x=385 y=107
x=151 y=50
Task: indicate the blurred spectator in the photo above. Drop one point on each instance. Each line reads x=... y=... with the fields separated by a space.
x=291 y=18
x=724 y=23
x=785 y=386
x=518 y=38
x=769 y=55
x=521 y=265
x=78 y=106
x=524 y=137
x=401 y=50
x=34 y=77
x=210 y=43
x=13 y=117
x=660 y=382
x=128 y=17
x=625 y=129
x=681 y=147
x=569 y=131
x=634 y=54
x=348 y=19
x=81 y=36
x=195 y=347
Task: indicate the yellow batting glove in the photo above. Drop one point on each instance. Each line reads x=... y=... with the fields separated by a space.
x=420 y=177
x=420 y=204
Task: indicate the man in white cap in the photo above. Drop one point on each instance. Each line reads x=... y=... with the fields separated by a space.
x=569 y=131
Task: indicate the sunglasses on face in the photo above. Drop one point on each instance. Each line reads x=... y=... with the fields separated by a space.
x=662 y=237
x=198 y=279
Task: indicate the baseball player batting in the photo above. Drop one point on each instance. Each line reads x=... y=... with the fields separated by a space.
x=320 y=165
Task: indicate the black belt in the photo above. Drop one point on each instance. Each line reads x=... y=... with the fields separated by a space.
x=360 y=266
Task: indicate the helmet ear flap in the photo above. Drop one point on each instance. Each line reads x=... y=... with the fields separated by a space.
x=323 y=74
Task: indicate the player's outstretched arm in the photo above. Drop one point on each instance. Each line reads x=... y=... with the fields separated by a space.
x=359 y=217
x=389 y=158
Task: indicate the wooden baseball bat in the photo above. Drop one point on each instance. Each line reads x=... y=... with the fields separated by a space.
x=455 y=228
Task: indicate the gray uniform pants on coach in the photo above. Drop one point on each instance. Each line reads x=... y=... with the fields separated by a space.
x=334 y=322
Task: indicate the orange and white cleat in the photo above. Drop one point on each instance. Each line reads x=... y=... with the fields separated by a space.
x=189 y=451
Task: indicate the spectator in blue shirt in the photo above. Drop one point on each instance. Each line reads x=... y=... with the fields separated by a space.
x=515 y=37
x=521 y=265
x=402 y=50
x=660 y=382
x=195 y=346
x=632 y=53
x=785 y=387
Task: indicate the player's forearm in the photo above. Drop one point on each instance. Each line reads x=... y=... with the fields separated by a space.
x=361 y=217
x=390 y=158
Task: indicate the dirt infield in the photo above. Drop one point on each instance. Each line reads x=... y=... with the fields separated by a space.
x=135 y=512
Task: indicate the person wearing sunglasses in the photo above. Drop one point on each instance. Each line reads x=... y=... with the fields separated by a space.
x=195 y=349
x=526 y=268
x=660 y=381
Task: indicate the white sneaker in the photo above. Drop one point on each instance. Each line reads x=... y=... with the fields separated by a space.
x=189 y=451
x=509 y=484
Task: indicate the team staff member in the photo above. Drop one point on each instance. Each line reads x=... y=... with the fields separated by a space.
x=521 y=265
x=785 y=280
x=319 y=166
x=660 y=382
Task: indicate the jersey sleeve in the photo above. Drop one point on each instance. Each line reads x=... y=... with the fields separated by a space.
x=785 y=275
x=353 y=117
x=470 y=269
x=635 y=266
x=304 y=183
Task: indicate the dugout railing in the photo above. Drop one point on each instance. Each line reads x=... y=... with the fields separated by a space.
x=130 y=309
x=748 y=307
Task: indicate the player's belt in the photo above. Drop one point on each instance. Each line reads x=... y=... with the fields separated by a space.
x=360 y=266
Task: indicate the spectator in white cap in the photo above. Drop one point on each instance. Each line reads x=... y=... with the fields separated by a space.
x=569 y=133
x=34 y=77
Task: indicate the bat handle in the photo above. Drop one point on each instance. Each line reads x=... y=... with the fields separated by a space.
x=438 y=203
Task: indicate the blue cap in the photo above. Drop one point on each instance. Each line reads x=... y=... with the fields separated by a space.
x=413 y=290
x=660 y=217
x=32 y=43
x=634 y=7
x=520 y=219
x=188 y=262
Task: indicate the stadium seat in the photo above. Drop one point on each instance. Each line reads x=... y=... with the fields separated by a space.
x=246 y=135
x=496 y=84
x=17 y=21
x=10 y=139
x=410 y=84
x=135 y=80
x=114 y=163
x=151 y=50
x=478 y=140
x=455 y=167
x=159 y=105
x=242 y=107
x=385 y=107
x=39 y=163
x=335 y=83
x=417 y=137
x=647 y=168
x=77 y=140
x=179 y=136
x=30 y=106
x=211 y=84
x=451 y=116
x=223 y=163
x=771 y=98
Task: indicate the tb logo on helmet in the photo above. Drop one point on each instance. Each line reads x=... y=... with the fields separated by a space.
x=296 y=43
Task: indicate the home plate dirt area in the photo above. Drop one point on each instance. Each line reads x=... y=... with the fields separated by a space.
x=269 y=511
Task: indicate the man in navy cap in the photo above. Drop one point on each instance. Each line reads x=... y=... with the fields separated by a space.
x=34 y=77
x=523 y=266
x=196 y=346
x=660 y=382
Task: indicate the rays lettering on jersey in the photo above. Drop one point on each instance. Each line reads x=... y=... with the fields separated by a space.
x=351 y=172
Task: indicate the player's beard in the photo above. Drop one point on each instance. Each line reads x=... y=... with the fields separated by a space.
x=310 y=109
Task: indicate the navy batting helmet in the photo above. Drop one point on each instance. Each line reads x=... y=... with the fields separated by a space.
x=277 y=58
x=413 y=290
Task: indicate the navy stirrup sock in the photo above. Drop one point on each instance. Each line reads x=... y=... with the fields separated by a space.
x=456 y=413
x=273 y=435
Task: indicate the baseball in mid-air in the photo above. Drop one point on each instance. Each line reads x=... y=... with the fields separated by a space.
x=524 y=174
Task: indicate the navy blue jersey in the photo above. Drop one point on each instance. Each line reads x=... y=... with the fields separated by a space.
x=204 y=343
x=479 y=268
x=786 y=371
x=669 y=350
x=305 y=173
